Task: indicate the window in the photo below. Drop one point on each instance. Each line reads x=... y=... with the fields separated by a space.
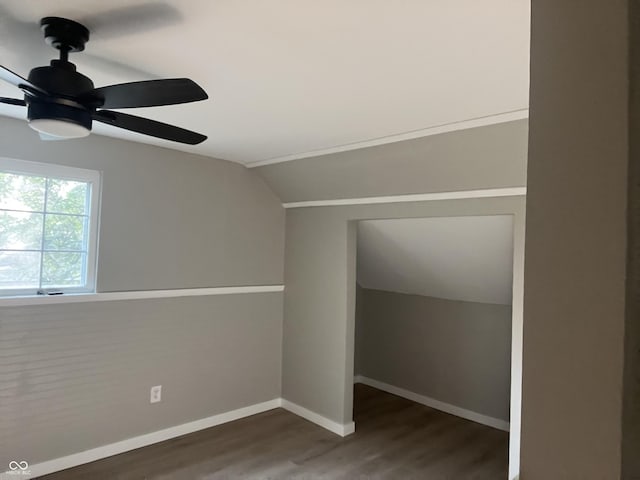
x=48 y=228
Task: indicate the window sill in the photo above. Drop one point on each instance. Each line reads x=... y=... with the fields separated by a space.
x=75 y=297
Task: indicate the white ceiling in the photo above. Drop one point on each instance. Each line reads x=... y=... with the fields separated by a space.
x=458 y=258
x=288 y=77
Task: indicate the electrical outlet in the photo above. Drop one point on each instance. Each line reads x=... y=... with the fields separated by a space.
x=156 y=394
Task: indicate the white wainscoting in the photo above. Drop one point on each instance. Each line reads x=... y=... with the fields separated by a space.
x=134 y=295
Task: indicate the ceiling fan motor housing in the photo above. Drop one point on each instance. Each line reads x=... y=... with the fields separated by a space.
x=62 y=80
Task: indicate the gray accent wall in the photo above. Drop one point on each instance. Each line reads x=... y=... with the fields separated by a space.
x=493 y=156
x=452 y=351
x=77 y=376
x=576 y=241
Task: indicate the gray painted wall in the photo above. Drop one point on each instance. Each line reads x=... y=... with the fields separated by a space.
x=76 y=376
x=320 y=245
x=452 y=351
x=484 y=157
x=169 y=219
x=576 y=234
x=319 y=309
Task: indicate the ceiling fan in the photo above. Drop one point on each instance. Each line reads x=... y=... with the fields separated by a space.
x=62 y=103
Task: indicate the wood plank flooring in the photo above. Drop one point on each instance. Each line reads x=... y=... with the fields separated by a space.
x=395 y=439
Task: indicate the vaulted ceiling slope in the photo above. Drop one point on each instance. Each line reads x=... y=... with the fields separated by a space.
x=493 y=156
x=291 y=77
x=457 y=258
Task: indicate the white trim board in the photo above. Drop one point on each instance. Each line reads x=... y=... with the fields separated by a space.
x=338 y=428
x=424 y=132
x=436 y=404
x=105 y=451
x=116 y=448
x=134 y=295
x=418 y=197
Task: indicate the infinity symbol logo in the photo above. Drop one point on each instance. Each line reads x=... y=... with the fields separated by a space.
x=13 y=465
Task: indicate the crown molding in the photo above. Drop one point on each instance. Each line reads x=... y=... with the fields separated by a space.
x=425 y=132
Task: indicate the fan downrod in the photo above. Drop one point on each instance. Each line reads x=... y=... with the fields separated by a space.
x=64 y=35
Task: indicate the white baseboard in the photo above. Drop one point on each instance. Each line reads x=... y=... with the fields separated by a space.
x=105 y=451
x=437 y=404
x=343 y=430
x=87 y=456
x=338 y=428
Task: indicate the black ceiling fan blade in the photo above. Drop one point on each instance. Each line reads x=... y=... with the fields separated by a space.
x=20 y=82
x=149 y=127
x=13 y=101
x=150 y=93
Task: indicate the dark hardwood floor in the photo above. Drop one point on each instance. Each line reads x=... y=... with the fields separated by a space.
x=395 y=439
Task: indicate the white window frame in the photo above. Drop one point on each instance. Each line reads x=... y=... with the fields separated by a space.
x=63 y=172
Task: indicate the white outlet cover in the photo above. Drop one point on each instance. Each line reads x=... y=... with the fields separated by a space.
x=155 y=394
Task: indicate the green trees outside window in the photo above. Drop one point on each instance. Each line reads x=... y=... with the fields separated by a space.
x=44 y=231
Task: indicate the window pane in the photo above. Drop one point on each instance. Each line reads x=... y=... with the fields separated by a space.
x=20 y=230
x=63 y=269
x=44 y=227
x=64 y=232
x=67 y=196
x=21 y=192
x=19 y=269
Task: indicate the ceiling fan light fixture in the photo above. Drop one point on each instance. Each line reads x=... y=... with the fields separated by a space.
x=60 y=121
x=59 y=128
